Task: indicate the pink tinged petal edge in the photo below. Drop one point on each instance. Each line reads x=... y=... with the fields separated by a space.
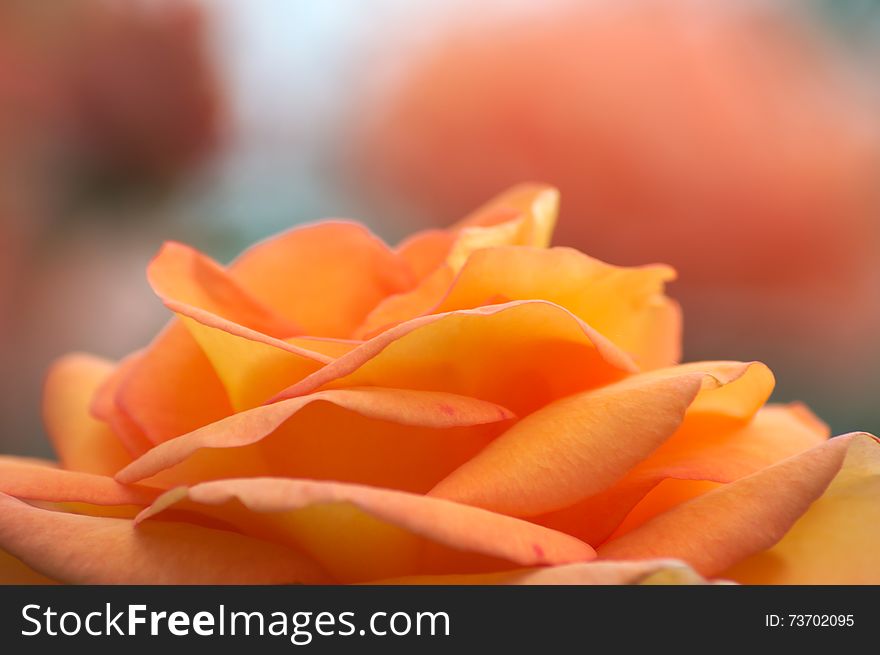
x=580 y=445
x=722 y=527
x=403 y=406
x=210 y=320
x=456 y=526
x=355 y=359
x=97 y=550
x=185 y=276
x=24 y=479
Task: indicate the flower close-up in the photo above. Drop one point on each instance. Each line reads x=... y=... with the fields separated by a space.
x=470 y=406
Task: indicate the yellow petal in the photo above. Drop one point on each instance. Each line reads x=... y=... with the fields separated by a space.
x=242 y=338
x=344 y=435
x=837 y=540
x=625 y=304
x=251 y=366
x=360 y=533
x=524 y=216
x=694 y=460
x=718 y=529
x=580 y=445
x=520 y=355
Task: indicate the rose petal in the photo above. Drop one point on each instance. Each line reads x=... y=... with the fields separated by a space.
x=535 y=208
x=837 y=540
x=105 y=407
x=426 y=251
x=252 y=367
x=580 y=445
x=349 y=439
x=186 y=276
x=524 y=215
x=625 y=304
x=331 y=348
x=324 y=277
x=718 y=529
x=242 y=338
x=172 y=389
x=359 y=533
x=82 y=442
x=691 y=464
x=735 y=402
x=679 y=468
x=98 y=550
x=15 y=572
x=520 y=355
x=24 y=479
x=405 y=306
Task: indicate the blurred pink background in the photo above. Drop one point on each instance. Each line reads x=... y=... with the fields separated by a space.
x=738 y=141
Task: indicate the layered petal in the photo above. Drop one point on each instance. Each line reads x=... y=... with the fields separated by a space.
x=82 y=442
x=625 y=304
x=325 y=278
x=524 y=216
x=398 y=438
x=692 y=461
x=360 y=533
x=405 y=306
x=837 y=540
x=97 y=550
x=244 y=340
x=186 y=276
x=426 y=251
x=470 y=407
x=173 y=388
x=580 y=445
x=520 y=355
x=26 y=479
x=721 y=528
x=105 y=406
x=251 y=366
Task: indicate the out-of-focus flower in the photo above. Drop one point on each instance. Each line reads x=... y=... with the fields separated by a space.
x=467 y=407
x=727 y=139
x=144 y=95
x=123 y=89
x=24 y=98
x=96 y=97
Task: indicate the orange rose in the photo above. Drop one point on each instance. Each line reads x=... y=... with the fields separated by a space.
x=467 y=407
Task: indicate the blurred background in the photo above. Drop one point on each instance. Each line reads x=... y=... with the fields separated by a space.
x=737 y=140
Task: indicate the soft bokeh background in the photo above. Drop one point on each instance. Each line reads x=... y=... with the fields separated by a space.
x=737 y=140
